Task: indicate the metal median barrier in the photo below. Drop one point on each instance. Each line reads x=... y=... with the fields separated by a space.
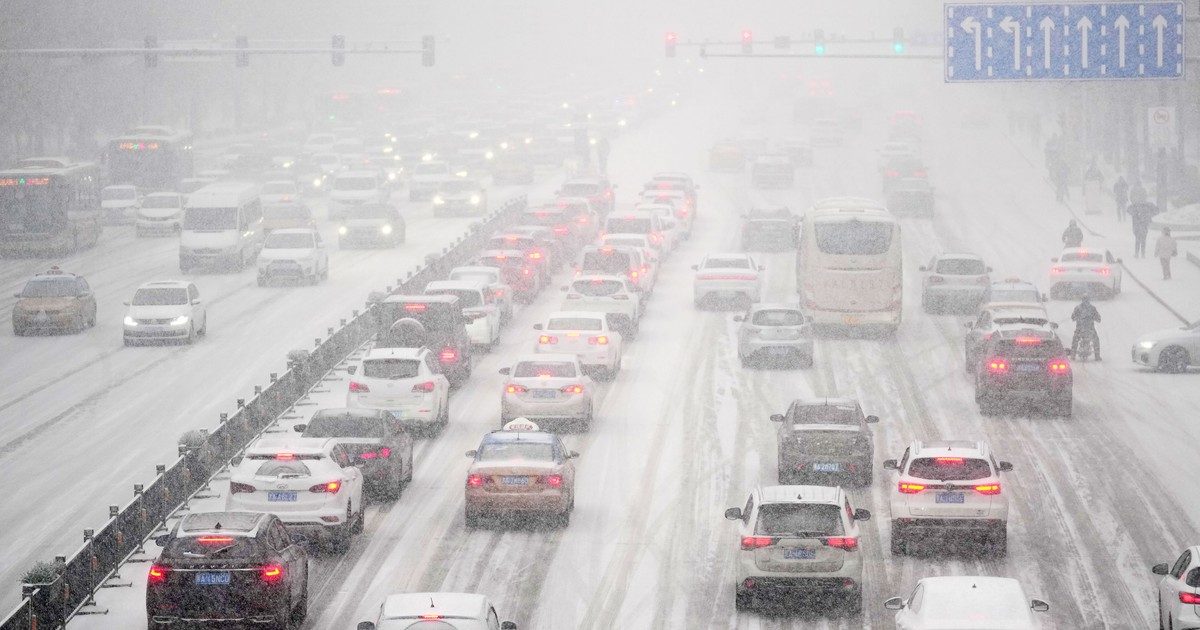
x=96 y=563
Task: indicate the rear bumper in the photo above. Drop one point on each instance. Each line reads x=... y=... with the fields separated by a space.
x=856 y=319
x=576 y=407
x=944 y=525
x=552 y=501
x=954 y=293
x=704 y=290
x=59 y=321
x=423 y=413
x=156 y=333
x=802 y=346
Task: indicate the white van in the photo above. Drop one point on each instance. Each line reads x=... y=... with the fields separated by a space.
x=222 y=225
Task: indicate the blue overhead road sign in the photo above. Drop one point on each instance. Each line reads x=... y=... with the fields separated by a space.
x=1047 y=42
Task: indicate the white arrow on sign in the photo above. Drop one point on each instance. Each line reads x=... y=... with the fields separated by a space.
x=1047 y=26
x=1122 y=25
x=971 y=24
x=1160 y=24
x=1010 y=25
x=1084 y=25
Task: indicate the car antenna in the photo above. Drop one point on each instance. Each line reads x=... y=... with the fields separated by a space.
x=218 y=525
x=431 y=604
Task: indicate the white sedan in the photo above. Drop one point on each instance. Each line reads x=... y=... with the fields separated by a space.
x=295 y=254
x=1178 y=595
x=547 y=387
x=725 y=277
x=587 y=336
x=1079 y=270
x=1170 y=350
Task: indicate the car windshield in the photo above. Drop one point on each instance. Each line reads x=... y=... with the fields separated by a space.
x=1029 y=348
x=628 y=226
x=579 y=190
x=282 y=468
x=960 y=267
x=950 y=468
x=832 y=443
x=727 y=263
x=778 y=318
x=473 y=276
x=345 y=425
x=160 y=297
x=391 y=369
x=278 y=188
x=116 y=194
x=354 y=183
x=210 y=219
x=466 y=297
x=164 y=201
x=574 y=323
x=799 y=519
x=290 y=211
x=597 y=287
x=525 y=451
x=853 y=238
x=325 y=159
x=212 y=546
x=459 y=185
x=50 y=287
x=606 y=262
x=825 y=414
x=550 y=369
x=1022 y=319
x=1082 y=257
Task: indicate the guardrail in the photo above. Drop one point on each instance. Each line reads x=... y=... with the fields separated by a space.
x=51 y=604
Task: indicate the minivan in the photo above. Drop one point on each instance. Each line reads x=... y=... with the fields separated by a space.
x=222 y=224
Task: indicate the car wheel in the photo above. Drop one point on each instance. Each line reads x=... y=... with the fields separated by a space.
x=564 y=518
x=854 y=603
x=472 y=518
x=586 y=424
x=899 y=545
x=1063 y=407
x=360 y=523
x=997 y=542
x=191 y=338
x=742 y=600
x=1173 y=359
x=300 y=611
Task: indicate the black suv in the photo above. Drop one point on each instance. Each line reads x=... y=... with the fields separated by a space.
x=442 y=328
x=381 y=447
x=769 y=230
x=824 y=438
x=229 y=567
x=1023 y=365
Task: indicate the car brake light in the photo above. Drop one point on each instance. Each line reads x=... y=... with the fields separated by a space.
x=561 y=230
x=331 y=487
x=516 y=389
x=988 y=488
x=601 y=340
x=1059 y=366
x=997 y=366
x=554 y=481
x=214 y=540
x=572 y=389
x=848 y=543
x=476 y=481
x=430 y=616
x=416 y=308
x=1104 y=271
x=681 y=213
x=756 y=542
x=936 y=279
x=498 y=292
x=358 y=388
x=892 y=173
x=1058 y=270
x=910 y=488
x=535 y=255
x=1189 y=598
x=271 y=573
x=527 y=271
x=448 y=355
x=919 y=173
x=236 y=488
x=1028 y=341
x=425 y=387
x=158 y=574
x=285 y=456
x=547 y=339
x=949 y=461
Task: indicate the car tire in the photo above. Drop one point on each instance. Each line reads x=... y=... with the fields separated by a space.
x=585 y=425
x=339 y=541
x=444 y=416
x=742 y=600
x=806 y=361
x=360 y=523
x=1063 y=407
x=854 y=603
x=154 y=625
x=997 y=542
x=1173 y=360
x=472 y=518
x=563 y=519
x=18 y=331
x=300 y=610
x=899 y=546
x=866 y=476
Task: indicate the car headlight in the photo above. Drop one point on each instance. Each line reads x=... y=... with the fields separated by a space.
x=386 y=229
x=1145 y=345
x=475 y=200
x=179 y=321
x=129 y=321
x=489 y=155
x=342 y=230
x=437 y=200
x=317 y=182
x=391 y=177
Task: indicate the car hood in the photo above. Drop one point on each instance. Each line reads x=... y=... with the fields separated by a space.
x=118 y=203
x=353 y=195
x=801 y=429
x=286 y=254
x=45 y=303
x=1167 y=334
x=159 y=213
x=156 y=311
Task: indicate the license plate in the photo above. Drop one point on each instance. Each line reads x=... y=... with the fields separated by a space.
x=542 y=393
x=850 y=320
x=828 y=467
x=800 y=554
x=1028 y=367
x=209 y=578
x=289 y=495
x=515 y=481
x=949 y=497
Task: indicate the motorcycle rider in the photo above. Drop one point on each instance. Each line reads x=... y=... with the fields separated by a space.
x=1085 y=317
x=1073 y=235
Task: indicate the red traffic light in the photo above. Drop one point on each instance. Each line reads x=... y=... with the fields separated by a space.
x=747 y=41
x=672 y=39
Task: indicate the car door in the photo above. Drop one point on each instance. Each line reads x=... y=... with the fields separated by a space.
x=199 y=314
x=322 y=254
x=432 y=370
x=909 y=617
x=351 y=474
x=87 y=306
x=294 y=560
x=1169 y=586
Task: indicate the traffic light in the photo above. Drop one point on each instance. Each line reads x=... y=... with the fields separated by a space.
x=819 y=41
x=897 y=40
x=243 y=58
x=671 y=40
x=427 y=51
x=338 y=45
x=747 y=41
x=151 y=58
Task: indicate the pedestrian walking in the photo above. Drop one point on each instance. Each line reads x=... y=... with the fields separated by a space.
x=1166 y=249
x=1140 y=213
x=1061 y=173
x=1121 y=195
x=602 y=150
x=1137 y=192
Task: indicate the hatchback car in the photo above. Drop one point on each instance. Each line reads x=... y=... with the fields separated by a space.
x=725 y=277
x=825 y=438
x=406 y=382
x=1013 y=290
x=227 y=567
x=599 y=192
x=949 y=487
x=382 y=448
x=52 y=301
x=615 y=296
x=436 y=611
x=954 y=281
x=293 y=215
x=520 y=469
x=617 y=260
x=1024 y=365
x=169 y=310
x=798 y=541
x=587 y=336
x=524 y=279
x=991 y=318
x=297 y=254
x=1080 y=271
x=1179 y=591
x=489 y=277
x=547 y=388
x=311 y=484
x=774 y=334
x=160 y=214
x=967 y=602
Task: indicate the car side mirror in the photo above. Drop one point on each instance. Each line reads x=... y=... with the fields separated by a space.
x=738 y=318
x=365 y=625
x=472 y=453
x=1038 y=605
x=537 y=326
x=572 y=454
x=894 y=603
x=762 y=267
x=872 y=419
x=1055 y=259
x=776 y=417
x=734 y=514
x=353 y=369
x=1006 y=466
x=126 y=303
x=162 y=539
x=862 y=514
x=505 y=371
x=508 y=625
x=696 y=267
x=891 y=464
x=196 y=302
x=1159 y=569
x=922 y=268
x=299 y=428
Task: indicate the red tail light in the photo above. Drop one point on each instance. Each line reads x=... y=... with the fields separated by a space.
x=756 y=542
x=214 y=540
x=598 y=341
x=423 y=388
x=572 y=389
x=331 y=487
x=271 y=573
x=1058 y=270
x=1104 y=271
x=476 y=481
x=1028 y=341
x=561 y=230
x=285 y=456
x=448 y=355
x=919 y=173
x=988 y=488
x=382 y=453
x=547 y=339
x=236 y=488
x=892 y=173
x=936 y=280
x=554 y=481
x=358 y=388
x=681 y=213
x=848 y=543
x=949 y=461
x=498 y=292
x=158 y=574
x=997 y=366
x=1189 y=598
x=415 y=308
x=910 y=488
x=516 y=389
x=1059 y=366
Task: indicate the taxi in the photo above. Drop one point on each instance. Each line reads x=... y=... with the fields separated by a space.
x=520 y=469
x=54 y=300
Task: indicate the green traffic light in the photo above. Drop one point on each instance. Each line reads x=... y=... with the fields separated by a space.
x=820 y=49
x=898 y=47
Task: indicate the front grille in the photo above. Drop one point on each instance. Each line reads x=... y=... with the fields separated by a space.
x=155 y=321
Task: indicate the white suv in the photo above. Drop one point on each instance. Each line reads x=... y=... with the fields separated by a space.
x=408 y=382
x=798 y=540
x=615 y=296
x=949 y=486
x=311 y=484
x=1179 y=591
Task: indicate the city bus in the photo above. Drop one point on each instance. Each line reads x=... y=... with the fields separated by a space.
x=849 y=270
x=49 y=206
x=151 y=158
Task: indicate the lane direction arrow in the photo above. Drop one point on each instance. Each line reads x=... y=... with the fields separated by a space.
x=1009 y=25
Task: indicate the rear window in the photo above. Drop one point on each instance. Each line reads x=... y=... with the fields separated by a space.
x=1014 y=294
x=391 y=368
x=345 y=426
x=727 y=263
x=778 y=318
x=558 y=369
x=825 y=414
x=597 y=288
x=574 y=323
x=950 y=468
x=278 y=188
x=216 y=545
x=828 y=442
x=1082 y=257
x=961 y=267
x=466 y=298
x=1032 y=349
x=606 y=262
x=284 y=240
x=631 y=226
x=473 y=276
x=580 y=190
x=853 y=238
x=354 y=183
x=803 y=519
x=283 y=468
x=527 y=451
